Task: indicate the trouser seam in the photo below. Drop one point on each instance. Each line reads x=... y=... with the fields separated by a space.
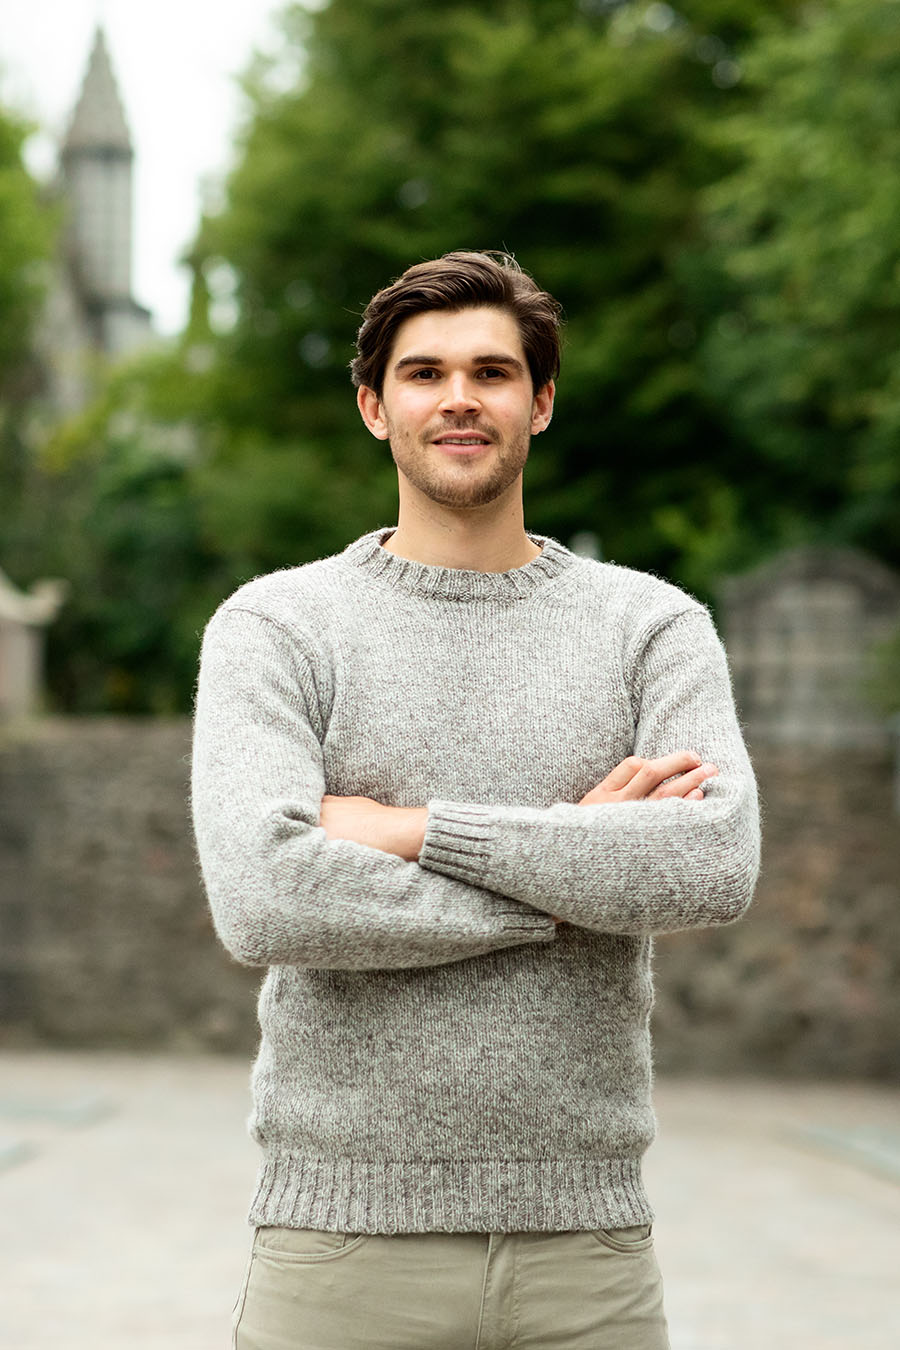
x=484 y=1282
x=516 y=1292
x=238 y=1312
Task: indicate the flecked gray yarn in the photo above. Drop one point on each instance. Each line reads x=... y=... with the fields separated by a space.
x=436 y=1054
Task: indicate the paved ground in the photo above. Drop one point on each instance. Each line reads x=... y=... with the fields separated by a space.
x=123 y=1183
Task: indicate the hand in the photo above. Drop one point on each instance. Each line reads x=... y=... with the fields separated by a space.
x=392 y=829
x=635 y=779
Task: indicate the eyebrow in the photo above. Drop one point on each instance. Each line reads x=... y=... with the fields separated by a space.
x=491 y=359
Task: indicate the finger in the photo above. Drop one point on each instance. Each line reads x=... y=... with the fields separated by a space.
x=622 y=774
x=685 y=783
x=656 y=771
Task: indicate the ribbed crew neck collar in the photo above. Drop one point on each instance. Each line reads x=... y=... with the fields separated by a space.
x=455 y=583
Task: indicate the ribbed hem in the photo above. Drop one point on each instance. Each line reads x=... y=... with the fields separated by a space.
x=456 y=583
x=458 y=841
x=351 y=1195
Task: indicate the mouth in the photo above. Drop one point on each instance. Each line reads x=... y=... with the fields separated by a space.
x=462 y=442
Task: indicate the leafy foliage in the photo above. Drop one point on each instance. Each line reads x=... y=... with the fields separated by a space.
x=26 y=230
x=118 y=514
x=710 y=192
x=802 y=277
x=564 y=132
x=26 y=234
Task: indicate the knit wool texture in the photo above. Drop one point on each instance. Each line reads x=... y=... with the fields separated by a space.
x=436 y=1054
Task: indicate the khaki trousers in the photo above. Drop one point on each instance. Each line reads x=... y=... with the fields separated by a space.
x=308 y=1290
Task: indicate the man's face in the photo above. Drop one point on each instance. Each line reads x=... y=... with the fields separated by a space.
x=458 y=405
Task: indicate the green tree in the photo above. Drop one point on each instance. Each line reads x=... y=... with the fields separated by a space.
x=27 y=230
x=708 y=190
x=800 y=278
x=109 y=503
x=119 y=516
x=564 y=131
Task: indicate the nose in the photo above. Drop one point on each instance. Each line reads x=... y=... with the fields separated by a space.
x=459 y=394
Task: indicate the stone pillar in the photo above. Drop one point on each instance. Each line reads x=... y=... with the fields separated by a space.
x=800 y=632
x=23 y=618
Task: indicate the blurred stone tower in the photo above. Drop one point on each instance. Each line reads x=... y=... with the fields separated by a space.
x=92 y=314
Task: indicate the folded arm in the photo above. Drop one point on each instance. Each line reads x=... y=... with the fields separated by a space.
x=280 y=890
x=629 y=866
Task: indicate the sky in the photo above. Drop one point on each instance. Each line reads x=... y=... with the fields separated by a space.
x=176 y=63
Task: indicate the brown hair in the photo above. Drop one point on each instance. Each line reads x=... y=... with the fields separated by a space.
x=460 y=281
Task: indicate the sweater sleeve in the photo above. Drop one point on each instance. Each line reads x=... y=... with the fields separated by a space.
x=279 y=890
x=638 y=867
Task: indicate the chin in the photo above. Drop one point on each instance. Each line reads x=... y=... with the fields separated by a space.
x=463 y=495
x=470 y=491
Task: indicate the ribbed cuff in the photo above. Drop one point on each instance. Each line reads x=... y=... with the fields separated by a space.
x=459 y=842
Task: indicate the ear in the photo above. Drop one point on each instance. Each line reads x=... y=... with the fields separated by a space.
x=542 y=408
x=371 y=410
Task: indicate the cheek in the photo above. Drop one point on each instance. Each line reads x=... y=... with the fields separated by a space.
x=522 y=415
x=412 y=409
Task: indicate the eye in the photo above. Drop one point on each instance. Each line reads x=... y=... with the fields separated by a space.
x=492 y=373
x=426 y=373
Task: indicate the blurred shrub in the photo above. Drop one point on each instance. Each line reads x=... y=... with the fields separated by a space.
x=710 y=191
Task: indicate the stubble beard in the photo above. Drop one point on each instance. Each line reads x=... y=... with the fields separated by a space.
x=463 y=483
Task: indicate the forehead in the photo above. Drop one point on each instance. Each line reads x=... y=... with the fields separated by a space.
x=458 y=335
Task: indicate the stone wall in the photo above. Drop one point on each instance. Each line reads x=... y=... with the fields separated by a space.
x=809 y=981
x=105 y=938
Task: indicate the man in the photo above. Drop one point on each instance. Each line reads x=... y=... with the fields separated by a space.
x=447 y=786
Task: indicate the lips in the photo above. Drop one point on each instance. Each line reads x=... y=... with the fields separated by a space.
x=462 y=440
x=470 y=448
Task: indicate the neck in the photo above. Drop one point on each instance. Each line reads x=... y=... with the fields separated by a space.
x=489 y=538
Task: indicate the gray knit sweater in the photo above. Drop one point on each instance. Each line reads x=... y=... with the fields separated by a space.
x=436 y=1054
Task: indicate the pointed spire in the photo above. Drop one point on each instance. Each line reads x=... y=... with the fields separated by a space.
x=98 y=121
